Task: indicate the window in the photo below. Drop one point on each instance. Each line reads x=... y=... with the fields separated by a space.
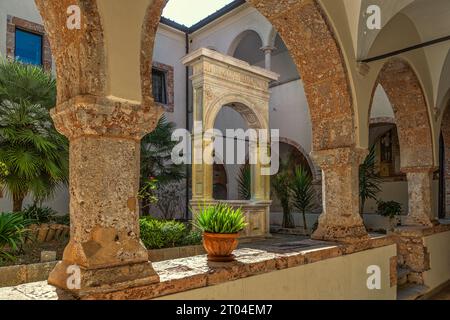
x=28 y=47
x=159 y=86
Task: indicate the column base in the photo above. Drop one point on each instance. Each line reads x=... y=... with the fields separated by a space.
x=345 y=234
x=102 y=280
x=422 y=221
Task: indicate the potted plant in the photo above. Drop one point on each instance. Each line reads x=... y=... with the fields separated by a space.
x=221 y=225
x=391 y=210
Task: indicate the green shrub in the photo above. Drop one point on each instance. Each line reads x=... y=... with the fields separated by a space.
x=220 y=218
x=192 y=238
x=39 y=214
x=65 y=219
x=13 y=227
x=389 y=209
x=158 y=234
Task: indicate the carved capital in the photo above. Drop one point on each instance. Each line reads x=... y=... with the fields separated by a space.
x=339 y=157
x=104 y=116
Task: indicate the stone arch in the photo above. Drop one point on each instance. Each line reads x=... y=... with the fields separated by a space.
x=79 y=54
x=237 y=40
x=149 y=27
x=241 y=105
x=445 y=159
x=308 y=35
x=409 y=104
x=314 y=169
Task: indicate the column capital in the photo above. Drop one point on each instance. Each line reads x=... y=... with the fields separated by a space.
x=339 y=156
x=268 y=49
x=89 y=115
x=424 y=169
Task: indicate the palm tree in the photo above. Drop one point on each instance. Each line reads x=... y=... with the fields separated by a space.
x=280 y=185
x=35 y=154
x=369 y=181
x=245 y=182
x=302 y=192
x=156 y=150
x=19 y=82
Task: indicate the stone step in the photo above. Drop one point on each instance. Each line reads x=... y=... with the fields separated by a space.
x=402 y=276
x=411 y=291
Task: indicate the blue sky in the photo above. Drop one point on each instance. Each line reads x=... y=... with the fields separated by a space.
x=189 y=12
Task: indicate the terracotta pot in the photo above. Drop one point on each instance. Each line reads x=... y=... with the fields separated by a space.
x=220 y=246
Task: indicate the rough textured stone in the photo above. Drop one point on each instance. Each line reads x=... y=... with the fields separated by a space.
x=420 y=197
x=48 y=256
x=404 y=91
x=340 y=220
x=196 y=272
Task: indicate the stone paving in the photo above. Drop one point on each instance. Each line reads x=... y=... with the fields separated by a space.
x=185 y=274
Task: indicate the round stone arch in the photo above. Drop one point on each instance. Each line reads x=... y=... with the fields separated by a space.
x=237 y=40
x=314 y=169
x=405 y=93
x=79 y=53
x=310 y=39
x=254 y=119
x=242 y=105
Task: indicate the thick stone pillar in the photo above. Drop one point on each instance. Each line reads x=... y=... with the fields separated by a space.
x=105 y=241
x=420 y=196
x=340 y=220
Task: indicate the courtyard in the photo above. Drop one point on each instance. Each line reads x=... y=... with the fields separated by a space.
x=301 y=146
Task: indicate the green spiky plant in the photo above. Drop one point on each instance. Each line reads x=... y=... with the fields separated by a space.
x=34 y=152
x=281 y=188
x=13 y=228
x=220 y=218
x=244 y=182
x=302 y=192
x=156 y=150
x=22 y=82
x=369 y=181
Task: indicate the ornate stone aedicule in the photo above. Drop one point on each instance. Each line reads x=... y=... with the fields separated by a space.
x=219 y=81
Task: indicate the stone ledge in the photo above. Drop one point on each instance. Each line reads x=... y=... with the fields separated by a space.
x=417 y=231
x=196 y=272
x=16 y=275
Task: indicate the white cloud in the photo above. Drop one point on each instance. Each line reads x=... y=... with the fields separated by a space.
x=189 y=12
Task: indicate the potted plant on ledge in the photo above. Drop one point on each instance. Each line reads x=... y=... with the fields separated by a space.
x=391 y=210
x=221 y=225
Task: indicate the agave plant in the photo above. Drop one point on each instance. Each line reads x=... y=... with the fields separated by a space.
x=13 y=227
x=220 y=218
x=302 y=192
x=369 y=181
x=281 y=188
x=244 y=182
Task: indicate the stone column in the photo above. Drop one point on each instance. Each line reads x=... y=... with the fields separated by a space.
x=105 y=243
x=268 y=56
x=420 y=196
x=340 y=220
